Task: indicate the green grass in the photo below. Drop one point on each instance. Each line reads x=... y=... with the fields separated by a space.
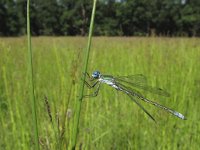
x=111 y=120
x=81 y=93
x=31 y=82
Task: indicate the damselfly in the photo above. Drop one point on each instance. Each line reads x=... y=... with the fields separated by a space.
x=127 y=84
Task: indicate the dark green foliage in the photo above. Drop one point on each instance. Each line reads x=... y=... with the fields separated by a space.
x=10 y=23
x=113 y=17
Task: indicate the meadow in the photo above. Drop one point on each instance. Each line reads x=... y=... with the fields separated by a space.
x=110 y=120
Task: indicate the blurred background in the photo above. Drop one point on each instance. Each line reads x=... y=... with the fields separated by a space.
x=113 y=17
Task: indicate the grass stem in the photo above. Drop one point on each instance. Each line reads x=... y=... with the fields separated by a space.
x=78 y=104
x=30 y=71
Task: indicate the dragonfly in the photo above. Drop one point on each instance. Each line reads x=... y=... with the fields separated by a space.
x=128 y=85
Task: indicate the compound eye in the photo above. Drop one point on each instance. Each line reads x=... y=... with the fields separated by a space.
x=96 y=74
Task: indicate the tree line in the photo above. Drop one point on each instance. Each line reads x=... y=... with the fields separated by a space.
x=113 y=17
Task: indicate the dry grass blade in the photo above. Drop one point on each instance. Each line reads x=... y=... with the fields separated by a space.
x=48 y=108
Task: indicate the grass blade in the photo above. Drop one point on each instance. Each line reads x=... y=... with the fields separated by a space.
x=78 y=104
x=30 y=71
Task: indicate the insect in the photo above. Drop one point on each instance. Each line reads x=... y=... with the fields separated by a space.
x=127 y=85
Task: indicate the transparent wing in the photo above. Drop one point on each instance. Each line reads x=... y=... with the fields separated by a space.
x=140 y=81
x=133 y=99
x=137 y=78
x=129 y=91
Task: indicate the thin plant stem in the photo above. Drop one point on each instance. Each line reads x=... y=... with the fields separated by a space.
x=79 y=102
x=30 y=71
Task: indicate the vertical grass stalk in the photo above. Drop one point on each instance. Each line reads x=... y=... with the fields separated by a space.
x=30 y=71
x=78 y=104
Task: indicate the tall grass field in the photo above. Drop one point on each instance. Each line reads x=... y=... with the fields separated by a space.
x=110 y=121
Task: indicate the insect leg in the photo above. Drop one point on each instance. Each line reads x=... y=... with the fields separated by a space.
x=95 y=92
